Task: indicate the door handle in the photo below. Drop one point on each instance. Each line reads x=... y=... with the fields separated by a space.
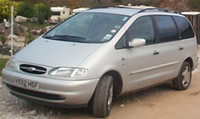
x=156 y=53
x=181 y=48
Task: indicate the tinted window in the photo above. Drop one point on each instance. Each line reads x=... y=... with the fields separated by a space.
x=166 y=28
x=56 y=13
x=142 y=28
x=184 y=27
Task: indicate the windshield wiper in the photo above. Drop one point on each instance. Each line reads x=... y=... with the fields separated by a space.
x=67 y=38
x=48 y=37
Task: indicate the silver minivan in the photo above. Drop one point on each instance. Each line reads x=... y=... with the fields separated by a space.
x=103 y=53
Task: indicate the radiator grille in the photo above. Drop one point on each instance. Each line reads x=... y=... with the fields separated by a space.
x=32 y=69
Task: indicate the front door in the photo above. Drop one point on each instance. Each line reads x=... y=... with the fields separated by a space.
x=142 y=61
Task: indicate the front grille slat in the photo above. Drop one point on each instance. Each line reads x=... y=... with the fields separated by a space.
x=27 y=68
x=32 y=69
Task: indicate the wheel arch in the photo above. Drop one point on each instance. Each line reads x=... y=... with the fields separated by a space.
x=118 y=82
x=189 y=60
x=118 y=85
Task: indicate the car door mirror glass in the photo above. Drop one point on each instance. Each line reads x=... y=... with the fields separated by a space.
x=137 y=42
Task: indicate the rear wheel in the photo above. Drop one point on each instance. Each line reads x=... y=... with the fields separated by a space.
x=183 y=80
x=103 y=97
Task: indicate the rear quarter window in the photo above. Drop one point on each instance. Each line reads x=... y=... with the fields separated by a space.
x=184 y=27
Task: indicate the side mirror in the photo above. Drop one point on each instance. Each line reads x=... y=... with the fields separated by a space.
x=137 y=42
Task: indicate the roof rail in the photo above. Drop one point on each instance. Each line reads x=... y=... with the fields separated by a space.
x=99 y=7
x=160 y=9
x=134 y=7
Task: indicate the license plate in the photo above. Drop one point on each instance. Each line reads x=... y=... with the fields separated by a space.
x=27 y=83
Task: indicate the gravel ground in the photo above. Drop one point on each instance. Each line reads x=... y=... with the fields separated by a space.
x=14 y=108
x=160 y=102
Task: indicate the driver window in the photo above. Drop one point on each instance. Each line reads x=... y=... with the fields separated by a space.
x=142 y=28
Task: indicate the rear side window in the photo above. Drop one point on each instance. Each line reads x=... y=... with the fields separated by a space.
x=167 y=30
x=184 y=27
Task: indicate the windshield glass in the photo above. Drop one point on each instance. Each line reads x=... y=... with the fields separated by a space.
x=88 y=28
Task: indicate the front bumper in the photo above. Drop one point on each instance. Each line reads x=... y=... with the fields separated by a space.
x=51 y=90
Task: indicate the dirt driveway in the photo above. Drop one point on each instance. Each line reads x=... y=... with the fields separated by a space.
x=156 y=103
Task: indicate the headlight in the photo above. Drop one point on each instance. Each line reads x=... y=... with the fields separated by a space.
x=12 y=63
x=68 y=72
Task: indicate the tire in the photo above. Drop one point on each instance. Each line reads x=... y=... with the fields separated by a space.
x=103 y=96
x=182 y=82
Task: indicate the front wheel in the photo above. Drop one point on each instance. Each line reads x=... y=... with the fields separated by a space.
x=182 y=82
x=103 y=97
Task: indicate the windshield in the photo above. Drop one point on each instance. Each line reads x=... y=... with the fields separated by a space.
x=88 y=28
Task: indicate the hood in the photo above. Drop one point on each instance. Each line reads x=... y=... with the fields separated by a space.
x=56 y=53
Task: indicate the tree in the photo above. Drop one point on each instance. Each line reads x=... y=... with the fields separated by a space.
x=74 y=3
x=118 y=1
x=25 y=9
x=42 y=12
x=5 y=9
x=195 y=4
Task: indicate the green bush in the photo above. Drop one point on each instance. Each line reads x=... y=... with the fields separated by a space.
x=3 y=39
x=29 y=38
x=42 y=12
x=25 y=9
x=2 y=64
